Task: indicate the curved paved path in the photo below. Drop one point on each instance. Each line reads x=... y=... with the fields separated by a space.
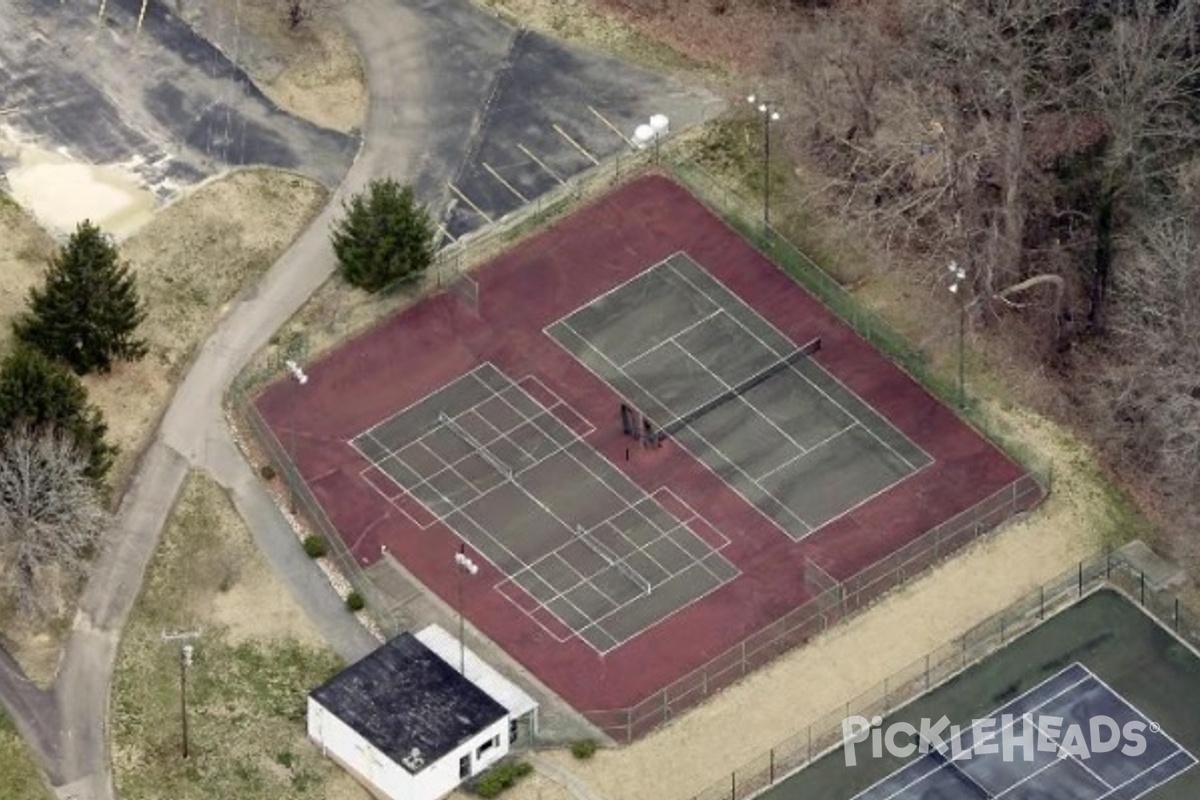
x=66 y=726
x=431 y=67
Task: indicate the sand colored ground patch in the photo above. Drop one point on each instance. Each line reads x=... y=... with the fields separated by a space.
x=61 y=193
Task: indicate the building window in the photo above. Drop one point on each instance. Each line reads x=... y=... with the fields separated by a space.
x=512 y=731
x=464 y=766
x=488 y=745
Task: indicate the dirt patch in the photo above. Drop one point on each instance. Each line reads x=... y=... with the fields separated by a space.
x=191 y=260
x=312 y=71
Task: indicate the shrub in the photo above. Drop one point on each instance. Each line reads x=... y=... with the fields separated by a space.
x=267 y=472
x=385 y=237
x=355 y=601
x=314 y=546
x=583 y=748
x=500 y=777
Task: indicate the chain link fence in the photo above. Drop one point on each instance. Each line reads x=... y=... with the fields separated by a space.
x=831 y=600
x=1112 y=570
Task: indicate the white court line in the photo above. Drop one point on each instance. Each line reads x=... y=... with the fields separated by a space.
x=618 y=287
x=1009 y=704
x=1134 y=709
x=672 y=338
x=742 y=303
x=744 y=401
x=461 y=509
x=698 y=457
x=996 y=714
x=814 y=448
x=1150 y=768
x=694 y=516
x=976 y=742
x=809 y=529
x=428 y=395
x=529 y=613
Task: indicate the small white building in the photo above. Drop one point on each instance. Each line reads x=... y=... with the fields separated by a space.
x=409 y=726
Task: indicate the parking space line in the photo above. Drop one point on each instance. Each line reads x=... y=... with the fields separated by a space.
x=612 y=127
x=467 y=200
x=504 y=183
x=574 y=143
x=538 y=161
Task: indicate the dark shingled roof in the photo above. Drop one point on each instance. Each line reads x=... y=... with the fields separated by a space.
x=403 y=696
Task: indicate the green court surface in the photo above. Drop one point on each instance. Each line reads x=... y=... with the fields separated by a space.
x=1136 y=670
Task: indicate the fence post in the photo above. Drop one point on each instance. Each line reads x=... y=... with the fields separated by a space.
x=1176 y=615
x=1081 y=579
x=1042 y=606
x=1143 y=582
x=771 y=769
x=733 y=785
x=809 y=759
x=927 y=672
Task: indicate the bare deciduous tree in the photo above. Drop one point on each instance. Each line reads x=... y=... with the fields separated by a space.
x=50 y=516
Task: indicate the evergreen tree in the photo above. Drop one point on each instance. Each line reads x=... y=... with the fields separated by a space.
x=386 y=237
x=37 y=393
x=88 y=311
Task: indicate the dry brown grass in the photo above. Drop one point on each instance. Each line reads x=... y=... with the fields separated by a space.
x=23 y=256
x=255 y=659
x=190 y=261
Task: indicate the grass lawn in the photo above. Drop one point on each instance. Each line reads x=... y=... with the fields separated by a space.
x=19 y=775
x=255 y=659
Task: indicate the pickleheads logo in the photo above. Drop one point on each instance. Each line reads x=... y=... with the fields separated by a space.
x=997 y=736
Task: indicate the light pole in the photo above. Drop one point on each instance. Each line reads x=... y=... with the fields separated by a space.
x=185 y=661
x=770 y=113
x=293 y=471
x=958 y=289
x=463 y=566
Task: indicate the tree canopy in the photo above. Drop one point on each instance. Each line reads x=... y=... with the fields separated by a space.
x=40 y=394
x=386 y=237
x=88 y=311
x=51 y=516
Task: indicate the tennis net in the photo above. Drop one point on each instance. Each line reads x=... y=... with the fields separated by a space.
x=483 y=452
x=738 y=389
x=611 y=558
x=936 y=755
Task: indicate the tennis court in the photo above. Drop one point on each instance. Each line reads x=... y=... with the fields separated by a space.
x=754 y=406
x=1017 y=757
x=1033 y=721
x=504 y=465
x=633 y=581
